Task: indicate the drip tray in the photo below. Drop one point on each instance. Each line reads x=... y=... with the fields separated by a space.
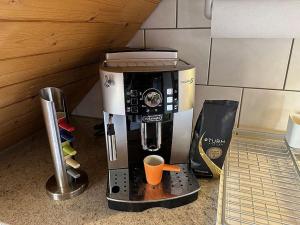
x=131 y=189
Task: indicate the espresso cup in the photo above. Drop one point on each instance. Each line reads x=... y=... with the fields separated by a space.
x=154 y=166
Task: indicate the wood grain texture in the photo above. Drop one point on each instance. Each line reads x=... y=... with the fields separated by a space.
x=24 y=125
x=21 y=91
x=56 y=43
x=17 y=70
x=32 y=103
x=109 y=11
x=19 y=39
x=13 y=137
x=18 y=109
x=15 y=114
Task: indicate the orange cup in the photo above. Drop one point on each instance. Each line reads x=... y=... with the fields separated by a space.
x=154 y=166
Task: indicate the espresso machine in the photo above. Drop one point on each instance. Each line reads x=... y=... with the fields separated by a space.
x=148 y=98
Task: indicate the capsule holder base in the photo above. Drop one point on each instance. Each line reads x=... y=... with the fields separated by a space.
x=76 y=187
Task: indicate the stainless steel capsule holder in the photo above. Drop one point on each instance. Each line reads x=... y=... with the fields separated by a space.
x=62 y=185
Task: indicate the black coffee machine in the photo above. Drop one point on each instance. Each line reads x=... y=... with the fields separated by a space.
x=148 y=97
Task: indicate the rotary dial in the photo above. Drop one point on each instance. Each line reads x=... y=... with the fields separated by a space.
x=153 y=99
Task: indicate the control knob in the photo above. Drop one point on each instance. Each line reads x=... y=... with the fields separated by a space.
x=152 y=98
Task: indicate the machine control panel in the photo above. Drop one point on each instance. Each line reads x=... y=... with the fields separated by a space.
x=151 y=93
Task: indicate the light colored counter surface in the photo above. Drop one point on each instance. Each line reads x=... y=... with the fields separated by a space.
x=25 y=168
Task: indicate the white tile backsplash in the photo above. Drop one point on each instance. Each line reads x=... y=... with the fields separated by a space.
x=137 y=41
x=191 y=14
x=193 y=45
x=164 y=16
x=215 y=93
x=293 y=78
x=268 y=109
x=258 y=63
x=255 y=66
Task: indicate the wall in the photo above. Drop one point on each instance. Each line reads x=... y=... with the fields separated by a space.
x=91 y=104
x=56 y=43
x=263 y=74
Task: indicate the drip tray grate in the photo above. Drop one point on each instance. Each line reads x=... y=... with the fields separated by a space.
x=125 y=186
x=260 y=183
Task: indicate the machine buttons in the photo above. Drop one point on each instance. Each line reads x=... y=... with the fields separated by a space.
x=169 y=107
x=134 y=109
x=175 y=107
x=169 y=91
x=134 y=101
x=169 y=99
x=134 y=93
x=128 y=109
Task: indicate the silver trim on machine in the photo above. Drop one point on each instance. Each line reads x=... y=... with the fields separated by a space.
x=111 y=140
x=112 y=85
x=121 y=150
x=182 y=132
x=186 y=89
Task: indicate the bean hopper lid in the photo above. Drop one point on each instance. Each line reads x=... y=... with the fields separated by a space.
x=141 y=57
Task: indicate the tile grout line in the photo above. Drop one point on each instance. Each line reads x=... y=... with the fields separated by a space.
x=176 y=14
x=209 y=61
x=288 y=65
x=255 y=88
x=179 y=28
x=240 y=110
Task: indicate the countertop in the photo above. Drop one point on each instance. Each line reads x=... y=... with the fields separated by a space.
x=25 y=168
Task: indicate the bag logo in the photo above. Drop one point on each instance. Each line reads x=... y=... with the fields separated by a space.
x=214 y=153
x=215 y=141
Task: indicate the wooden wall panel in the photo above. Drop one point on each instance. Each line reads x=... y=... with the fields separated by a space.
x=18 y=109
x=35 y=113
x=110 y=11
x=20 y=91
x=19 y=39
x=25 y=95
x=56 y=43
x=20 y=121
x=20 y=127
x=13 y=137
x=25 y=68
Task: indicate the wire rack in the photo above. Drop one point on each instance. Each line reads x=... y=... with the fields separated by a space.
x=260 y=183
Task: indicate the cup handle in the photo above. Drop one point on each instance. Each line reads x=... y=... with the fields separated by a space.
x=173 y=168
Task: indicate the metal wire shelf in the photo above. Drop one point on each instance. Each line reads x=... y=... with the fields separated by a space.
x=260 y=182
